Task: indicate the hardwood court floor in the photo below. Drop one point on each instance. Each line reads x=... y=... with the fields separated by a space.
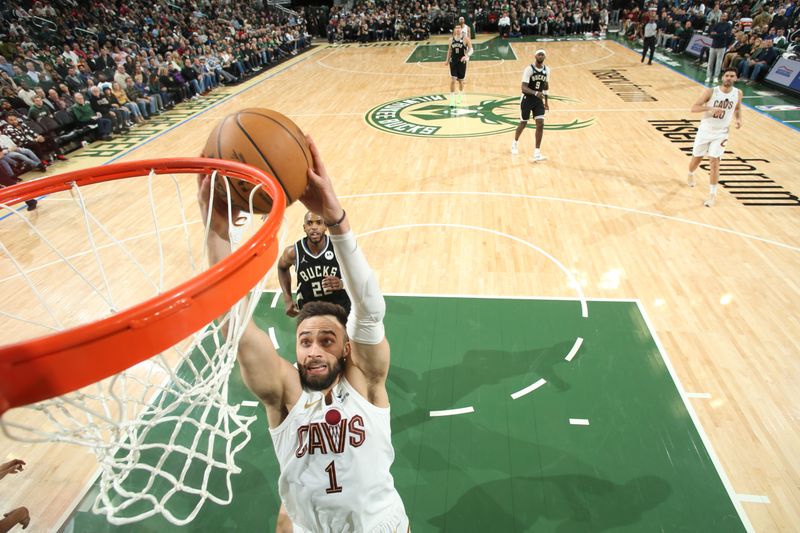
x=460 y=215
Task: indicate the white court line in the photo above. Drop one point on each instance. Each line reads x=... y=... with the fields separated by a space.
x=700 y=395
x=530 y=388
x=579 y=421
x=414 y=49
x=358 y=113
x=752 y=498
x=753 y=96
x=249 y=403
x=570 y=276
x=626 y=110
x=275 y=299
x=575 y=348
x=273 y=338
x=73 y=508
x=483 y=71
x=605 y=110
x=578 y=202
x=792 y=121
x=506 y=297
x=452 y=412
x=706 y=441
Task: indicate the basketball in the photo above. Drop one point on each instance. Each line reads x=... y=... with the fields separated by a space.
x=266 y=140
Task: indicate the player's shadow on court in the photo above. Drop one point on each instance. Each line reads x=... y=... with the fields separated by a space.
x=576 y=503
x=493 y=372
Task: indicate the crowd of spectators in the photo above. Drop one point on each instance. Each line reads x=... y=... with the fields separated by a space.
x=540 y=17
x=72 y=72
x=748 y=37
x=410 y=20
x=400 y=20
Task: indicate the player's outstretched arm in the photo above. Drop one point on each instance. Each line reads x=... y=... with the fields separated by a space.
x=365 y=323
x=285 y=262
x=271 y=378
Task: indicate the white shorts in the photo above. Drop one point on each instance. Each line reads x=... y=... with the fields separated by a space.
x=396 y=523
x=710 y=143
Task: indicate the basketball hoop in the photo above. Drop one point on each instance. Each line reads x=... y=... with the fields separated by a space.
x=167 y=355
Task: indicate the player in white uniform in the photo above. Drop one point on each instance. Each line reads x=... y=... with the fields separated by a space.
x=329 y=416
x=720 y=105
x=465 y=31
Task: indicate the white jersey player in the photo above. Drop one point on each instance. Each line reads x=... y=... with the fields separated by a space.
x=465 y=31
x=329 y=416
x=719 y=106
x=329 y=455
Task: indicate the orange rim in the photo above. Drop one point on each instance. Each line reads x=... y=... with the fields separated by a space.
x=49 y=366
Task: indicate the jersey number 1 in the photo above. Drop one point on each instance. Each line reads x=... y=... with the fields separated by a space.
x=334 y=486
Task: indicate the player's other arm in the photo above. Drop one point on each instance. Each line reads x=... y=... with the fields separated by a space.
x=365 y=329
x=449 y=51
x=737 y=112
x=701 y=105
x=468 y=44
x=288 y=258
x=526 y=76
x=265 y=373
x=545 y=89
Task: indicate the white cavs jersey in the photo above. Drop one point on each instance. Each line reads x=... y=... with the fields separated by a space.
x=335 y=462
x=720 y=100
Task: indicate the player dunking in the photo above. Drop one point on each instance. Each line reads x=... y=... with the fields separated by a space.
x=319 y=277
x=720 y=105
x=329 y=417
x=458 y=52
x=535 y=84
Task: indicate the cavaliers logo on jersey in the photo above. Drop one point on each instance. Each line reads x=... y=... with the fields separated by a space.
x=480 y=114
x=323 y=438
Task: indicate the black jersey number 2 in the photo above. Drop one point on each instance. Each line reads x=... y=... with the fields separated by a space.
x=316 y=286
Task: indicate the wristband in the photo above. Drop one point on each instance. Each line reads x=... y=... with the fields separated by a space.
x=336 y=224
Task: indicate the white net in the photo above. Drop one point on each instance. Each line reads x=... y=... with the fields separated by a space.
x=164 y=432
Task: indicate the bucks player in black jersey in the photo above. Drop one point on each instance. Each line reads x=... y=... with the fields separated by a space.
x=458 y=52
x=535 y=84
x=319 y=276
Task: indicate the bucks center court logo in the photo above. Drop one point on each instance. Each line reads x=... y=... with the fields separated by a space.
x=478 y=115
